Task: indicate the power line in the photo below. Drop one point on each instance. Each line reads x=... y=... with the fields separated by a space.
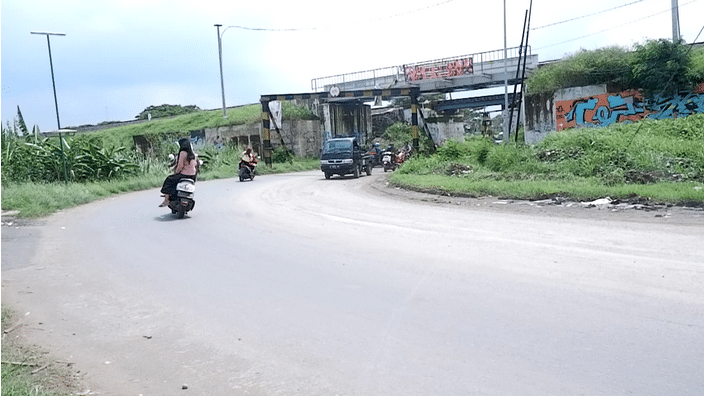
x=588 y=15
x=260 y=29
x=612 y=28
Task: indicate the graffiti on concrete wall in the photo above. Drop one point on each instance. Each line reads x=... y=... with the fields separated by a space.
x=677 y=106
x=629 y=106
x=442 y=69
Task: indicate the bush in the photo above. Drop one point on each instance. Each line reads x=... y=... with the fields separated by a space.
x=282 y=155
x=166 y=110
x=583 y=68
x=503 y=158
x=661 y=67
x=452 y=151
x=399 y=134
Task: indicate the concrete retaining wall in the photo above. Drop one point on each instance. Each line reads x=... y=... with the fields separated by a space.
x=303 y=137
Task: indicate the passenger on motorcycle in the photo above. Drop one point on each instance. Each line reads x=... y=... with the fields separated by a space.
x=248 y=159
x=186 y=167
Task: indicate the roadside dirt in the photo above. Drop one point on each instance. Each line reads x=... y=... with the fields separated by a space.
x=636 y=209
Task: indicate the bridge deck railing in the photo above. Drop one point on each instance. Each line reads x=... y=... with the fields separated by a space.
x=397 y=73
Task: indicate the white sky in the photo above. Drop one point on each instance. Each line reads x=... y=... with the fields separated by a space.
x=120 y=56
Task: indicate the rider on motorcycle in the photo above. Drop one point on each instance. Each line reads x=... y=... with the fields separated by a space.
x=186 y=167
x=248 y=159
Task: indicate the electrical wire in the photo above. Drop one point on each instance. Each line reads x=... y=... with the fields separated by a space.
x=611 y=28
x=260 y=29
x=588 y=15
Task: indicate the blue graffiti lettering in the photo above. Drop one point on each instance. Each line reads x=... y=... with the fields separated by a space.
x=680 y=105
x=578 y=110
x=677 y=106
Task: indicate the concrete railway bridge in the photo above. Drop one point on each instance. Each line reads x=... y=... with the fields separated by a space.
x=464 y=73
x=343 y=95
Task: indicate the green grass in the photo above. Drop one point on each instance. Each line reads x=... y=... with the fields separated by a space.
x=602 y=66
x=30 y=371
x=661 y=160
x=34 y=200
x=182 y=124
x=583 y=189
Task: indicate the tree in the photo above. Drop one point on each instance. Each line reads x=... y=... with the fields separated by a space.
x=166 y=110
x=20 y=119
x=661 y=67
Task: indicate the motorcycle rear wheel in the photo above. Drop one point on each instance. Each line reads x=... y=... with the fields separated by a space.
x=181 y=211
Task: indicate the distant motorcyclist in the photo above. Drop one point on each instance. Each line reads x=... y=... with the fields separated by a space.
x=376 y=154
x=248 y=159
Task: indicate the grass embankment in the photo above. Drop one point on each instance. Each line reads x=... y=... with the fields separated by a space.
x=41 y=199
x=28 y=159
x=184 y=124
x=656 y=160
x=28 y=370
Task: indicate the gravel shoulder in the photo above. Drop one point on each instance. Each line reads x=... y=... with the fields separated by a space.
x=635 y=210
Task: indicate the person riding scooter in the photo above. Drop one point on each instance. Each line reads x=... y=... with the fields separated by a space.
x=186 y=166
x=248 y=160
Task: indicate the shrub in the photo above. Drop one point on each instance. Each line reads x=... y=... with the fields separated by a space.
x=661 y=67
x=282 y=155
x=166 y=110
x=452 y=151
x=583 y=68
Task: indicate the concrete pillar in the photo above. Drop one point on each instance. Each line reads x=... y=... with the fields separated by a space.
x=266 y=133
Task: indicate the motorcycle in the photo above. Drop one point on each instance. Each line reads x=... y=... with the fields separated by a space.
x=376 y=157
x=388 y=160
x=247 y=171
x=184 y=201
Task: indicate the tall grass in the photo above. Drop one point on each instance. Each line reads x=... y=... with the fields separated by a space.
x=37 y=199
x=659 y=159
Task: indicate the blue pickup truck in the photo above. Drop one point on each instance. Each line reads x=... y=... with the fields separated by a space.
x=344 y=156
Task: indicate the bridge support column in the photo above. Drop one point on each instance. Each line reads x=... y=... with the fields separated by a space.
x=266 y=133
x=414 y=121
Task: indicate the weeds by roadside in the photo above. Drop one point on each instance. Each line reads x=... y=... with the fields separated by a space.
x=28 y=370
x=659 y=160
x=41 y=199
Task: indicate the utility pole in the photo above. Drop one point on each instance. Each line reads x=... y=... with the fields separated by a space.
x=505 y=113
x=222 y=80
x=675 y=22
x=56 y=101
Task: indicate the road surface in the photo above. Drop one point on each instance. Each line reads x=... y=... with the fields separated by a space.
x=293 y=284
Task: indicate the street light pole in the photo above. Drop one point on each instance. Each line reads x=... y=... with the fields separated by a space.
x=675 y=22
x=222 y=80
x=51 y=64
x=56 y=101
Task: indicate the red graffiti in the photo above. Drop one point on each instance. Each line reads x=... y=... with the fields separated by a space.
x=443 y=69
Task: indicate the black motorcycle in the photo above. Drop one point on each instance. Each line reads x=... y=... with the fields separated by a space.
x=183 y=202
x=247 y=171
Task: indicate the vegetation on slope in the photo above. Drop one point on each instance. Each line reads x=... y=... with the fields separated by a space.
x=661 y=160
x=656 y=67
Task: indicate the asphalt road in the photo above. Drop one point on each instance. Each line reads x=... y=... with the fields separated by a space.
x=292 y=284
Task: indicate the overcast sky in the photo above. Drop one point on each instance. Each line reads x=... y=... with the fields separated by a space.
x=120 y=56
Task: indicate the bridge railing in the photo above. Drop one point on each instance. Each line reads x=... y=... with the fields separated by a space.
x=382 y=74
x=397 y=73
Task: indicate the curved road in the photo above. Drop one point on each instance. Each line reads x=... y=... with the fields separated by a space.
x=292 y=284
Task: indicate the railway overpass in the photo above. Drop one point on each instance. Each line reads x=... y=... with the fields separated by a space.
x=464 y=73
